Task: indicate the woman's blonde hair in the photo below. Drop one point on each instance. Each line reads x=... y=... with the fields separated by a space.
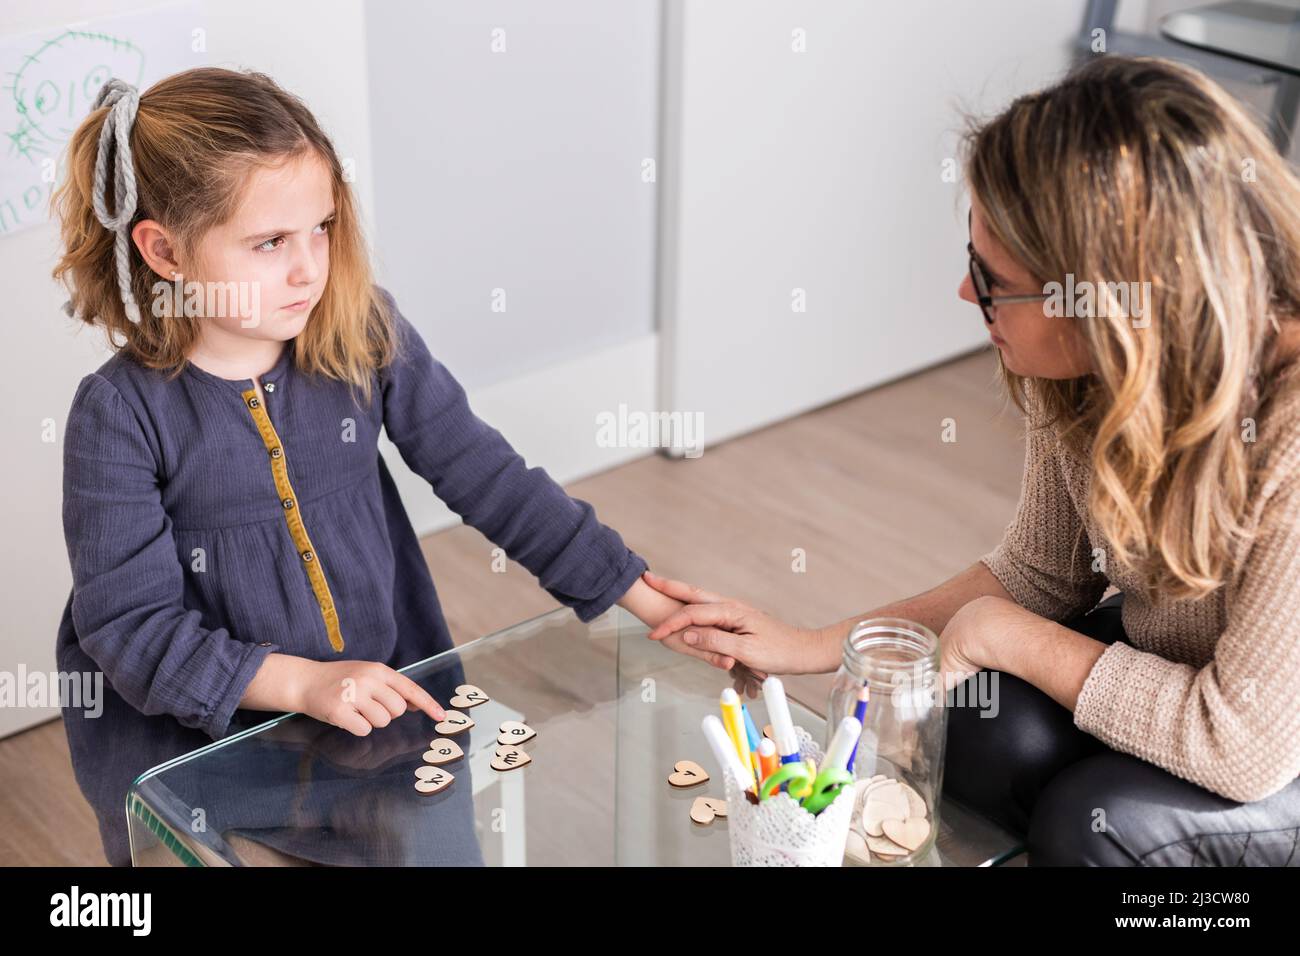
x=197 y=137
x=1140 y=170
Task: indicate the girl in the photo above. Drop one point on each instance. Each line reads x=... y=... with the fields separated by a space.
x=1163 y=458
x=237 y=544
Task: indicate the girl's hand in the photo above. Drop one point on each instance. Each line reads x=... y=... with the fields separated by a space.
x=359 y=695
x=714 y=623
x=653 y=607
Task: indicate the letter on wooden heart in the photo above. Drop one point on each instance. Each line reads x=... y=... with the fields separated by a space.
x=510 y=758
x=514 y=733
x=443 y=751
x=687 y=773
x=704 y=809
x=429 y=780
x=456 y=723
x=467 y=696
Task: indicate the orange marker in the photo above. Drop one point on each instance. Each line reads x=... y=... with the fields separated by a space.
x=768 y=761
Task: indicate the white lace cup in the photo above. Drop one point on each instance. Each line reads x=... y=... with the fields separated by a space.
x=779 y=832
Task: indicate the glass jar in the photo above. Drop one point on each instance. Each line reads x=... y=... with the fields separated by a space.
x=904 y=730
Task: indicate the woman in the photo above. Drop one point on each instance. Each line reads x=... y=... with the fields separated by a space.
x=1135 y=249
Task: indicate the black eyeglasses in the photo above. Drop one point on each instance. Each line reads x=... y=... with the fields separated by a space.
x=980 y=280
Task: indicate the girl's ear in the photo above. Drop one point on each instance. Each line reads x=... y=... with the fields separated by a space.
x=155 y=247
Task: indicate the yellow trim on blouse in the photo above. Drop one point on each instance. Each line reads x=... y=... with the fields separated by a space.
x=297 y=530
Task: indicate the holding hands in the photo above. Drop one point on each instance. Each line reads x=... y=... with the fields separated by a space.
x=759 y=643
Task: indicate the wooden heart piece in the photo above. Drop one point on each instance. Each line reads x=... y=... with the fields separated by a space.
x=467 y=696
x=514 y=733
x=456 y=723
x=881 y=802
x=429 y=780
x=687 y=773
x=908 y=833
x=443 y=751
x=885 y=848
x=704 y=809
x=510 y=758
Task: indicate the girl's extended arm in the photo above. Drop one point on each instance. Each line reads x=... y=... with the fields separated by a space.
x=579 y=561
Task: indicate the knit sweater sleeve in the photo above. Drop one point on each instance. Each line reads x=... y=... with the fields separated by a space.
x=1044 y=559
x=580 y=562
x=1231 y=726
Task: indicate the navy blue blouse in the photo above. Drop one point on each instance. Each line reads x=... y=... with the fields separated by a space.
x=208 y=527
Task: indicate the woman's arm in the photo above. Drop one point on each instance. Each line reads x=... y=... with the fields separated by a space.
x=933 y=608
x=725 y=626
x=1038 y=565
x=1229 y=726
x=998 y=634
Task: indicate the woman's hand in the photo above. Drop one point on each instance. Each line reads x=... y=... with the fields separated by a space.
x=358 y=695
x=993 y=633
x=756 y=640
x=653 y=608
x=963 y=643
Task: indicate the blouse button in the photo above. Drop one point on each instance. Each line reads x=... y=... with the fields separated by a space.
x=254 y=403
x=276 y=452
x=308 y=556
x=268 y=386
x=288 y=503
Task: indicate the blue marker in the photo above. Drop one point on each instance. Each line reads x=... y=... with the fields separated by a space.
x=751 y=732
x=860 y=712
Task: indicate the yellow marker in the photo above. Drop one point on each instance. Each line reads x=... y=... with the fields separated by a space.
x=734 y=722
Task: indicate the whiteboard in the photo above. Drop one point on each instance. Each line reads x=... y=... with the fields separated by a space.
x=51 y=79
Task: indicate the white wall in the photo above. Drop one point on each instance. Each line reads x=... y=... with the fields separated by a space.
x=517 y=170
x=509 y=140
x=821 y=171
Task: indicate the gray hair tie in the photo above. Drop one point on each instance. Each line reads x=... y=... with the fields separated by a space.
x=123 y=99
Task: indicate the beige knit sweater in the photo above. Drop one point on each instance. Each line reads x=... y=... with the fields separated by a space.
x=1210 y=689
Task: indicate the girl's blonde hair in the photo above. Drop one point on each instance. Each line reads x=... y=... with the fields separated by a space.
x=197 y=137
x=1143 y=170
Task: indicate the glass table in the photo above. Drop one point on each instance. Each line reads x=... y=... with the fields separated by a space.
x=613 y=713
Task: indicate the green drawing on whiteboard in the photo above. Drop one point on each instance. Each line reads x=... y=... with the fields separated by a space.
x=55 y=87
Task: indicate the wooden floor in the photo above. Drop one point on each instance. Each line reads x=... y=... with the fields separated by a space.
x=880 y=505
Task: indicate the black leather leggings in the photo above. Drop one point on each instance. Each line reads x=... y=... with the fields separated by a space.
x=1076 y=802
